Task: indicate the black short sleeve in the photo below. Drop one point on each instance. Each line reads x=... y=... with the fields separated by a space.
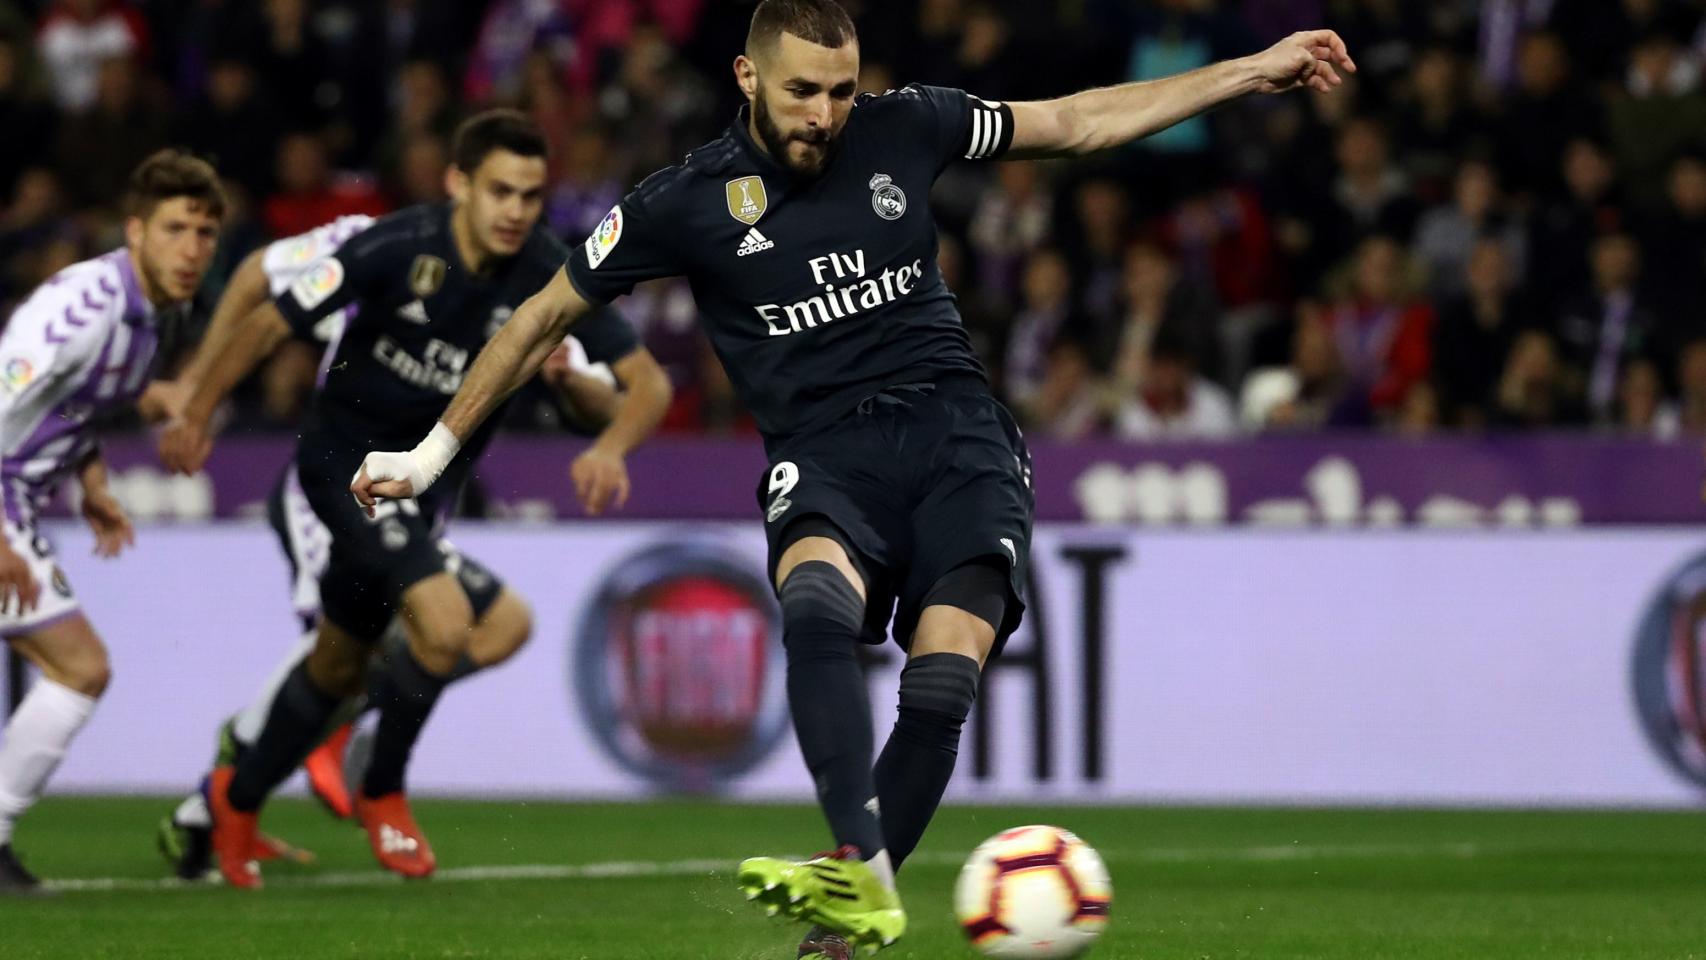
x=964 y=127
x=632 y=244
x=326 y=286
x=606 y=336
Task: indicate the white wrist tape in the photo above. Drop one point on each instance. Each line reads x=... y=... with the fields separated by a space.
x=420 y=466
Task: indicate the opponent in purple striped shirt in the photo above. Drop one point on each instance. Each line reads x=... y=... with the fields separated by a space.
x=74 y=354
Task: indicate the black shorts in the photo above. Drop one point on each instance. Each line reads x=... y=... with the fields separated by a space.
x=364 y=565
x=920 y=480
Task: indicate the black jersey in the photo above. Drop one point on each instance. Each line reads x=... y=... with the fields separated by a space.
x=422 y=318
x=816 y=292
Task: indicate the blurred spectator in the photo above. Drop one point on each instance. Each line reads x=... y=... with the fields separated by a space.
x=78 y=36
x=1225 y=248
x=96 y=150
x=657 y=102
x=1475 y=333
x=1534 y=391
x=1435 y=122
x=512 y=31
x=25 y=114
x=588 y=187
x=1174 y=401
x=33 y=219
x=1311 y=392
x=1662 y=111
x=1447 y=234
x=1691 y=387
x=309 y=194
x=1169 y=37
x=1385 y=34
x=1161 y=304
x=1011 y=221
x=1046 y=314
x=1673 y=243
x=293 y=60
x=1382 y=329
x=422 y=108
x=1642 y=409
x=231 y=126
x=1561 y=234
x=1541 y=116
x=1097 y=249
x=1370 y=195
x=1599 y=332
x=420 y=174
x=1068 y=403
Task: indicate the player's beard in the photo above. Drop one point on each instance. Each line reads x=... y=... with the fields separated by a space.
x=777 y=142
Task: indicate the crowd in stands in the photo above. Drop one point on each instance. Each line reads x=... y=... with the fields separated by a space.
x=1499 y=223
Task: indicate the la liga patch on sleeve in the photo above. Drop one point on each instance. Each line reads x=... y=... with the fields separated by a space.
x=604 y=238
x=17 y=374
x=317 y=283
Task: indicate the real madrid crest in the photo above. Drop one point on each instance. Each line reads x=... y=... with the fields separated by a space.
x=887 y=199
x=426 y=275
x=746 y=199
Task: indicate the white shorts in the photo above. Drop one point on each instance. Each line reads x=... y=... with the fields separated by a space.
x=55 y=601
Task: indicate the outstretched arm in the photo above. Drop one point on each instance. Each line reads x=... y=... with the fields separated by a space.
x=510 y=359
x=185 y=445
x=1110 y=116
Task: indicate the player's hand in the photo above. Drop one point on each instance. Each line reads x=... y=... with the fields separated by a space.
x=185 y=446
x=164 y=400
x=106 y=516
x=1310 y=59
x=388 y=476
x=16 y=583
x=601 y=479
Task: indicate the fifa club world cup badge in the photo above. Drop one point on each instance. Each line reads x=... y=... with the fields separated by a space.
x=747 y=200
x=887 y=199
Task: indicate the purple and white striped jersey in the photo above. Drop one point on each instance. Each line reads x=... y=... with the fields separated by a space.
x=79 y=349
x=285 y=260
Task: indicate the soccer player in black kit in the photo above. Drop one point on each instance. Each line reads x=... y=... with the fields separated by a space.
x=432 y=284
x=896 y=482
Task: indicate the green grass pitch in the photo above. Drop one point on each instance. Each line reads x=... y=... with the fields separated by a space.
x=651 y=881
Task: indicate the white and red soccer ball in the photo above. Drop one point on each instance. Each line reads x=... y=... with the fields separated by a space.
x=1037 y=893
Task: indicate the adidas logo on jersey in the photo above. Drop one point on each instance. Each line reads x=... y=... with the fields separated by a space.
x=753 y=242
x=414 y=312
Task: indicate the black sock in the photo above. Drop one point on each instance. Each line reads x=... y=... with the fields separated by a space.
x=821 y=618
x=404 y=702
x=381 y=686
x=936 y=694
x=298 y=715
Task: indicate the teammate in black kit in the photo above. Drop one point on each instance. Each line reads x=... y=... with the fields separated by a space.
x=432 y=283
x=897 y=483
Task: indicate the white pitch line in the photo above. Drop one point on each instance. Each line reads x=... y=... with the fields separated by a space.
x=704 y=867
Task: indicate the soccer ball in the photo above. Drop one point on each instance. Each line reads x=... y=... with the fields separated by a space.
x=1036 y=893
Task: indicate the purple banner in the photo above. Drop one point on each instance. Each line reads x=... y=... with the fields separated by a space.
x=1333 y=481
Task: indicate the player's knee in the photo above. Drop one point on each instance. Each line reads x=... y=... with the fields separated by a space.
x=337 y=674
x=962 y=612
x=440 y=642
x=822 y=613
x=88 y=671
x=937 y=691
x=502 y=632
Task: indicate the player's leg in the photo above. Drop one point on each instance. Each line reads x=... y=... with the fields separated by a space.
x=74 y=672
x=956 y=632
x=850 y=893
x=439 y=621
x=311 y=693
x=962 y=597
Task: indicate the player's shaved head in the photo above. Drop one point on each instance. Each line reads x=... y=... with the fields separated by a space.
x=822 y=22
x=800 y=73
